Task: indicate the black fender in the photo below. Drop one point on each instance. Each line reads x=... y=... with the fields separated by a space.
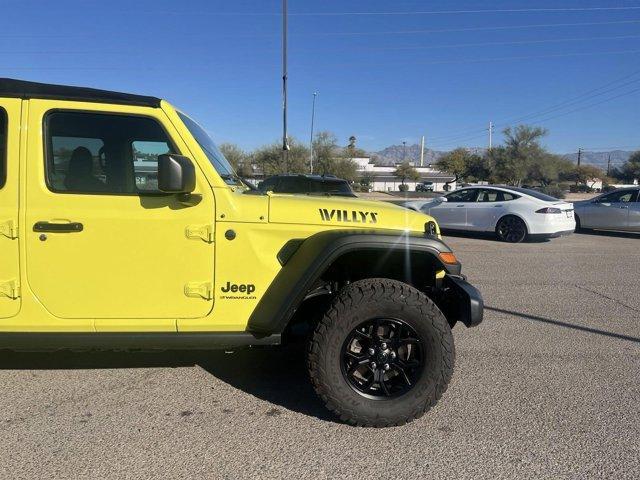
x=304 y=261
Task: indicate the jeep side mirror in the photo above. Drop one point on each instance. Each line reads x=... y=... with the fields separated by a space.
x=176 y=174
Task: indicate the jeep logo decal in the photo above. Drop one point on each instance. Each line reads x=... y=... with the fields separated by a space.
x=248 y=288
x=348 y=216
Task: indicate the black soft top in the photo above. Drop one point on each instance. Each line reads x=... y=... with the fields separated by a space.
x=10 y=87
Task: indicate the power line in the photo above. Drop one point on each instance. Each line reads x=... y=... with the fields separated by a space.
x=496 y=44
x=414 y=47
x=572 y=100
x=454 y=12
x=469 y=29
x=584 y=107
x=322 y=34
x=396 y=13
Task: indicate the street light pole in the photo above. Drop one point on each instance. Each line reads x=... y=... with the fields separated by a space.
x=313 y=116
x=285 y=140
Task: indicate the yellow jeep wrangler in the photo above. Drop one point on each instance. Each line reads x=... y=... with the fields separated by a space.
x=122 y=226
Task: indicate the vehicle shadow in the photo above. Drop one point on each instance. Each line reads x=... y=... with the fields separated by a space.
x=560 y=323
x=275 y=374
x=609 y=233
x=485 y=236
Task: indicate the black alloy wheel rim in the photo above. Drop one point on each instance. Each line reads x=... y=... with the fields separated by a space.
x=382 y=358
x=512 y=229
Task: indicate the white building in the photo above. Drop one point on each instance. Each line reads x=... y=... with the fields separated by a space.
x=384 y=180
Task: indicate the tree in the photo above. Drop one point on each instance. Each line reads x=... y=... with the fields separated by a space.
x=406 y=171
x=238 y=159
x=330 y=160
x=462 y=164
x=351 y=151
x=512 y=162
x=586 y=175
x=548 y=169
x=630 y=171
x=270 y=159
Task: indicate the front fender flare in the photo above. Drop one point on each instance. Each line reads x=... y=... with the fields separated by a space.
x=304 y=265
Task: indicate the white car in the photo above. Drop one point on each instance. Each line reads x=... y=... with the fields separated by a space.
x=513 y=213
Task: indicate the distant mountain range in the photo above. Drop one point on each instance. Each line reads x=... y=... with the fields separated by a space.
x=397 y=154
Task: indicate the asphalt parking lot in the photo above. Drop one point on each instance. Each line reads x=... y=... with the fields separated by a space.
x=546 y=387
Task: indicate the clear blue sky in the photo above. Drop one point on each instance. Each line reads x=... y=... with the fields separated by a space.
x=384 y=78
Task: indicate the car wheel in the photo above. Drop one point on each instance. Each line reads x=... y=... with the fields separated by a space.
x=511 y=229
x=382 y=355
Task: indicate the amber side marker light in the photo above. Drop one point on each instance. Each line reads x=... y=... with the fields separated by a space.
x=448 y=257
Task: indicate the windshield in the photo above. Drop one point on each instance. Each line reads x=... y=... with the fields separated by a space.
x=534 y=194
x=215 y=156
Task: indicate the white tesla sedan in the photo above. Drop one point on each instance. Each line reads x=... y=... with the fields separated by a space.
x=513 y=213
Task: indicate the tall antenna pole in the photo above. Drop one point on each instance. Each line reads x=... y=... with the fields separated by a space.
x=422 y=152
x=490 y=135
x=579 y=155
x=313 y=116
x=285 y=140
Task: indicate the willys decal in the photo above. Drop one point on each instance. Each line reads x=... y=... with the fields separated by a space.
x=348 y=216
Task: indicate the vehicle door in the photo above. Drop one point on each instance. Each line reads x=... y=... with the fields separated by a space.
x=610 y=210
x=9 y=187
x=634 y=214
x=453 y=213
x=103 y=242
x=489 y=206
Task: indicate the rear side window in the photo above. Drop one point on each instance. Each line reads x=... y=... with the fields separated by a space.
x=103 y=153
x=495 y=196
x=334 y=187
x=3 y=147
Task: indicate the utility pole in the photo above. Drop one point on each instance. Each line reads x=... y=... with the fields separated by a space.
x=490 y=135
x=422 y=152
x=579 y=155
x=285 y=139
x=313 y=116
x=404 y=155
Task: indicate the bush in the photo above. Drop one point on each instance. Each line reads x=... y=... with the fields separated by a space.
x=580 y=189
x=403 y=187
x=553 y=190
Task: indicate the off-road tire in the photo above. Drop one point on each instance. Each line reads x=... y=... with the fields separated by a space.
x=357 y=303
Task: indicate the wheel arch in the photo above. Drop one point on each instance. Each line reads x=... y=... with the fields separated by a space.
x=306 y=262
x=513 y=214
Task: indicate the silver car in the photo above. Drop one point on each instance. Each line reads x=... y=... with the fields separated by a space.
x=617 y=210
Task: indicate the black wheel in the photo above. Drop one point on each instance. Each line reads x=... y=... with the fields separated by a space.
x=382 y=355
x=511 y=229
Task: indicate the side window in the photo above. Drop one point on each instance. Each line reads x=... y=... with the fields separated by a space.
x=3 y=147
x=489 y=196
x=463 y=196
x=103 y=153
x=618 y=197
x=506 y=196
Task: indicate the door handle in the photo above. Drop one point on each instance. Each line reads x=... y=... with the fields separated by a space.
x=459 y=206
x=58 y=227
x=497 y=206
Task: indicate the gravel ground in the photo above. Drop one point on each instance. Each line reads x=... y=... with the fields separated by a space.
x=546 y=387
